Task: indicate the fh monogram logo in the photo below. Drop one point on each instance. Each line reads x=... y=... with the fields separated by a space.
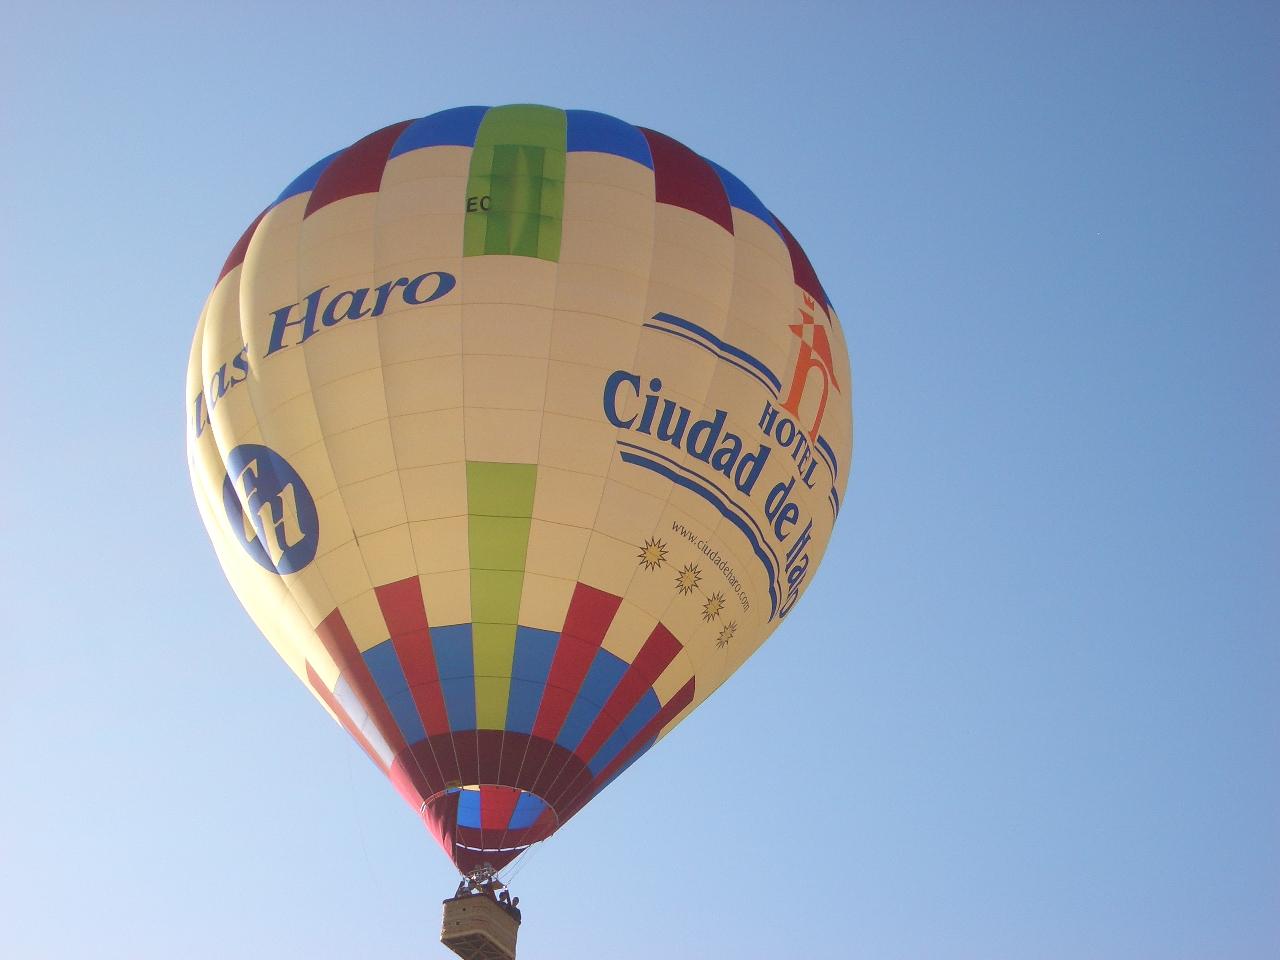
x=269 y=508
x=275 y=521
x=815 y=355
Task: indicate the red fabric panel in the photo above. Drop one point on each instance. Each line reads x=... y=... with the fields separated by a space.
x=357 y=169
x=654 y=657
x=436 y=757
x=559 y=764
x=402 y=607
x=337 y=639
x=237 y=254
x=423 y=772
x=656 y=654
x=406 y=616
x=536 y=762
x=441 y=818
x=805 y=276
x=427 y=697
x=590 y=613
x=332 y=703
x=536 y=753
x=490 y=756
x=496 y=806
x=568 y=669
x=683 y=179
x=468 y=752
x=403 y=779
x=511 y=757
x=585 y=624
x=568 y=787
x=544 y=827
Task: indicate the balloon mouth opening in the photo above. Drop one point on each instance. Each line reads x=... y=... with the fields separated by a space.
x=491 y=802
x=488 y=823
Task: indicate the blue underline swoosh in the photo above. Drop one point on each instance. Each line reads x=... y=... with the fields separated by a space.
x=743 y=512
x=721 y=346
x=829 y=456
x=715 y=353
x=645 y=459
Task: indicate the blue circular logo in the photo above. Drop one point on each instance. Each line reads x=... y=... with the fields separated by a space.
x=270 y=509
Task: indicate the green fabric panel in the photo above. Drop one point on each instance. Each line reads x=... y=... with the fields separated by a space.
x=518 y=164
x=495 y=596
x=500 y=489
x=499 y=507
x=498 y=543
x=492 y=696
x=494 y=646
x=515 y=189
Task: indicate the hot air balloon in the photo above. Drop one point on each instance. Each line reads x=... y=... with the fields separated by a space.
x=516 y=430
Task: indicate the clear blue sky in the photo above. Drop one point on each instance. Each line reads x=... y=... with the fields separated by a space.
x=1029 y=708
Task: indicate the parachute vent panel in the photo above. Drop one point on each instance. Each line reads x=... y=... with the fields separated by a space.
x=477 y=927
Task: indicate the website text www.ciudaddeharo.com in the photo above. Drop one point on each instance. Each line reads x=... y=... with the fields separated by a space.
x=718 y=561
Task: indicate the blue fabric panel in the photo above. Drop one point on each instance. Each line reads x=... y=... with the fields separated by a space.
x=528 y=809
x=452 y=646
x=523 y=697
x=387 y=673
x=581 y=716
x=385 y=667
x=405 y=712
x=454 y=660
x=448 y=128
x=460 y=703
x=469 y=809
x=307 y=179
x=640 y=714
x=535 y=649
x=740 y=196
x=588 y=130
x=606 y=670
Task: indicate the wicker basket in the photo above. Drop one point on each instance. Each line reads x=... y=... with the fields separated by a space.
x=477 y=927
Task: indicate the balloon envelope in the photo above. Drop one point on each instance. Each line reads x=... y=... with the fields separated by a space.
x=516 y=430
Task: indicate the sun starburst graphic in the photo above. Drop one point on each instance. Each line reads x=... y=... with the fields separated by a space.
x=653 y=554
x=688 y=578
x=726 y=634
x=711 y=609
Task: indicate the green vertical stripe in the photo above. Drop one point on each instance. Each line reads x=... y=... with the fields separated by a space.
x=501 y=489
x=515 y=186
x=499 y=507
x=494 y=646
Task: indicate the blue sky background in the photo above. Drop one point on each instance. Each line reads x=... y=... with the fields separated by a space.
x=1029 y=708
